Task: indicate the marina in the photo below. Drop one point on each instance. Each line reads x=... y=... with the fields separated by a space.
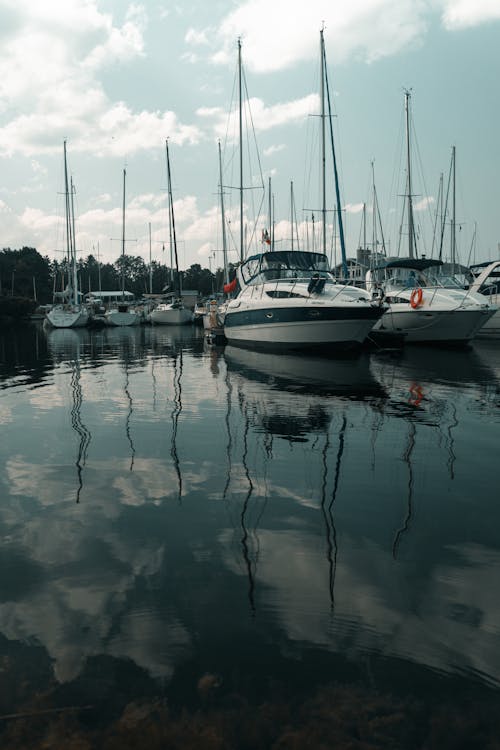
x=249 y=376
x=219 y=533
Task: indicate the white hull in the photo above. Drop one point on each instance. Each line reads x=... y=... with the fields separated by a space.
x=302 y=333
x=68 y=316
x=491 y=329
x=120 y=318
x=432 y=325
x=166 y=315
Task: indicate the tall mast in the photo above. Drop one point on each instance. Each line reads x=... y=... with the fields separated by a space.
x=123 y=236
x=270 y=220
x=241 y=148
x=411 y=244
x=150 y=263
x=323 y=150
x=172 y=220
x=68 y=212
x=453 y=211
x=73 y=243
x=335 y=172
x=224 y=245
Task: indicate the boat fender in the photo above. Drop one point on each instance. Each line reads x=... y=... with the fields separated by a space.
x=416 y=297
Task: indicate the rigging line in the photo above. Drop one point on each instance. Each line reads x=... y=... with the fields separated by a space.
x=422 y=176
x=407 y=459
x=253 y=128
x=436 y=214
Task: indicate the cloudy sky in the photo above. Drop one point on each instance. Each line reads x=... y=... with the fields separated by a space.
x=116 y=79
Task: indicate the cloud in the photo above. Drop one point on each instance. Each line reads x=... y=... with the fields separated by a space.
x=461 y=14
x=262 y=117
x=367 y=29
x=424 y=203
x=48 y=82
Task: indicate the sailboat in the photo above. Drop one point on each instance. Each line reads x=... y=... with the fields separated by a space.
x=70 y=313
x=122 y=313
x=173 y=311
x=420 y=306
x=290 y=298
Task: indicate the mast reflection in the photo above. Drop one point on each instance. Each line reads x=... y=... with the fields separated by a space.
x=327 y=510
x=250 y=565
x=129 y=413
x=65 y=346
x=175 y=414
x=407 y=459
x=77 y=423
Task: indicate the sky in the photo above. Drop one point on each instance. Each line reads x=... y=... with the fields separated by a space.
x=116 y=80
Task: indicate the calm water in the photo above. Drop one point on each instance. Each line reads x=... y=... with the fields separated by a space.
x=215 y=529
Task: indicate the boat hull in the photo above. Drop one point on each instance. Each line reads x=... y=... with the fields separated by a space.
x=171 y=316
x=301 y=327
x=67 y=317
x=428 y=325
x=491 y=329
x=119 y=318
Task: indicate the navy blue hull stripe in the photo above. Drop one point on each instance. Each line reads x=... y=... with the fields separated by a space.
x=300 y=315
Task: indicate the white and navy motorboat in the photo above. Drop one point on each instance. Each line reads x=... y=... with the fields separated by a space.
x=290 y=299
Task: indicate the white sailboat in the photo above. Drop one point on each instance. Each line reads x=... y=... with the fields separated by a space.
x=70 y=313
x=421 y=307
x=121 y=312
x=290 y=298
x=172 y=311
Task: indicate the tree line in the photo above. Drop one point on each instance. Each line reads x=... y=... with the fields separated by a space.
x=25 y=273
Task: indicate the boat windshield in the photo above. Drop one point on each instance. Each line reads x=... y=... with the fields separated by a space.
x=284 y=265
x=404 y=278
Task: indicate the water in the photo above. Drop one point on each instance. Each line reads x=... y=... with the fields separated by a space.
x=274 y=545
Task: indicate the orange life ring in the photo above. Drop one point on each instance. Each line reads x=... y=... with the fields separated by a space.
x=416 y=297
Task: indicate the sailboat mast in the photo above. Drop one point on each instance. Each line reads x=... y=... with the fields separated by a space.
x=323 y=149
x=68 y=213
x=335 y=171
x=453 y=212
x=73 y=235
x=270 y=213
x=172 y=220
x=411 y=244
x=241 y=148
x=223 y=218
x=123 y=236
x=150 y=263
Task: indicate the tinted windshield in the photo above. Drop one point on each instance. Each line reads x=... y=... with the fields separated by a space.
x=287 y=264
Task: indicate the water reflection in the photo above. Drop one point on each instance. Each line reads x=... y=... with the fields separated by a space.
x=249 y=515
